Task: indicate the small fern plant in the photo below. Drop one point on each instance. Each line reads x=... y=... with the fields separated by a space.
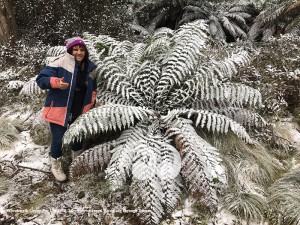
x=158 y=96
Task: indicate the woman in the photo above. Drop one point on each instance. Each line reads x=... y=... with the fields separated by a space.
x=71 y=92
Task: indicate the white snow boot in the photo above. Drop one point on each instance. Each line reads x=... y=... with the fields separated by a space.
x=74 y=154
x=57 y=170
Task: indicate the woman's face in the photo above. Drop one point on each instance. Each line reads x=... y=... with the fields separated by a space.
x=78 y=52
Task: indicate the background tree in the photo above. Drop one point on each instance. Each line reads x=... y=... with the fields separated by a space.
x=8 y=27
x=54 y=20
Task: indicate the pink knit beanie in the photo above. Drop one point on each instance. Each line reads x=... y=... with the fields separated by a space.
x=69 y=43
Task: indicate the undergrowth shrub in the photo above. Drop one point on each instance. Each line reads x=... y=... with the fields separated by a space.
x=275 y=71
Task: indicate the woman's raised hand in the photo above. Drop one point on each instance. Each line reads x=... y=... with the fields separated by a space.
x=62 y=84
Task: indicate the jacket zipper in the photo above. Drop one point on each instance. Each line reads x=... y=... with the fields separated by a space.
x=70 y=92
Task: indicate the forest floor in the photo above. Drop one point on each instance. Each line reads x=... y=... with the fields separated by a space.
x=30 y=195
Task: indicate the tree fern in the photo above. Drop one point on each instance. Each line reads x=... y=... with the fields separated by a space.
x=160 y=97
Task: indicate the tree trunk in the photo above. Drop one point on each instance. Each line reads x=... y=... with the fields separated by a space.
x=8 y=27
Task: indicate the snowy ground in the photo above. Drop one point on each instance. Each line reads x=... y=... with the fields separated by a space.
x=30 y=195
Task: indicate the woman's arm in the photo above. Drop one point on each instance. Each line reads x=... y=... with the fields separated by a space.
x=47 y=79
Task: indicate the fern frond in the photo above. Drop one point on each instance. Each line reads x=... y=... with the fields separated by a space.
x=146 y=189
x=271 y=14
x=137 y=52
x=31 y=88
x=183 y=58
x=160 y=43
x=98 y=46
x=201 y=165
x=104 y=118
x=107 y=97
x=121 y=49
x=205 y=84
x=146 y=78
x=228 y=26
x=240 y=33
x=210 y=121
x=244 y=117
x=116 y=80
x=267 y=20
x=147 y=195
x=100 y=41
x=55 y=51
x=120 y=166
x=239 y=94
x=215 y=28
x=237 y=18
x=91 y=160
x=171 y=189
x=169 y=170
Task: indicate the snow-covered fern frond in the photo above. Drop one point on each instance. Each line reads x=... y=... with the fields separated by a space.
x=53 y=52
x=120 y=166
x=169 y=170
x=145 y=79
x=230 y=65
x=201 y=163
x=160 y=42
x=230 y=94
x=31 y=88
x=98 y=46
x=183 y=58
x=99 y=41
x=271 y=14
x=228 y=26
x=197 y=91
x=105 y=118
x=156 y=184
x=115 y=80
x=242 y=116
x=213 y=122
x=120 y=49
x=91 y=160
x=107 y=97
x=147 y=194
x=215 y=28
x=239 y=95
x=137 y=53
